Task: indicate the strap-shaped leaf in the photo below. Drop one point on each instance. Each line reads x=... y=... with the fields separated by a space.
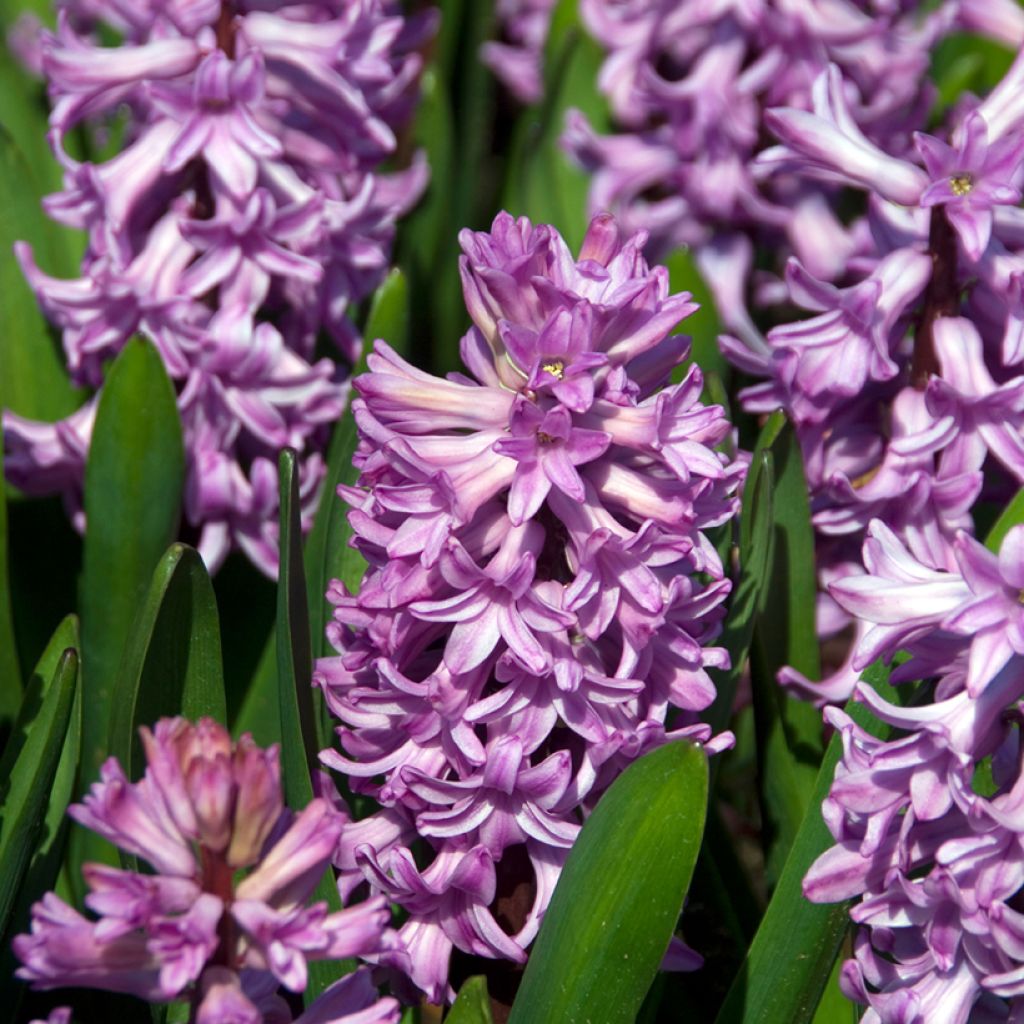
x=299 y=748
x=172 y=662
x=473 y=1004
x=1011 y=516
x=133 y=482
x=33 y=381
x=10 y=669
x=327 y=554
x=426 y=246
x=617 y=902
x=542 y=180
x=704 y=326
x=788 y=963
x=788 y=730
x=44 y=865
x=755 y=554
x=28 y=771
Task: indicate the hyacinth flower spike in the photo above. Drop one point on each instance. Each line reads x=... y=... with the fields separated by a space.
x=206 y=812
x=554 y=599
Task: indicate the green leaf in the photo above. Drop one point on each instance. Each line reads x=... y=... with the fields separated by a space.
x=789 y=636
x=963 y=62
x=789 y=732
x=617 y=902
x=260 y=713
x=133 y=484
x=172 y=662
x=474 y=98
x=473 y=1005
x=33 y=381
x=388 y=317
x=543 y=182
x=703 y=326
x=23 y=115
x=44 y=866
x=748 y=597
x=427 y=247
x=10 y=670
x=788 y=963
x=328 y=555
x=29 y=770
x=1011 y=516
x=299 y=747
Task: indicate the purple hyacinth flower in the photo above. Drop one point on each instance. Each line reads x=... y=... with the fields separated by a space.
x=205 y=811
x=541 y=595
x=243 y=217
x=970 y=178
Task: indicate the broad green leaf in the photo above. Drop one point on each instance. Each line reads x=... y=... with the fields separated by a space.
x=1010 y=517
x=23 y=116
x=133 y=484
x=33 y=381
x=474 y=95
x=788 y=636
x=750 y=592
x=260 y=714
x=388 y=317
x=789 y=731
x=703 y=326
x=427 y=249
x=543 y=182
x=327 y=545
x=618 y=900
x=172 y=661
x=247 y=605
x=449 y=39
x=299 y=747
x=473 y=1005
x=964 y=62
x=788 y=963
x=28 y=771
x=44 y=866
x=10 y=670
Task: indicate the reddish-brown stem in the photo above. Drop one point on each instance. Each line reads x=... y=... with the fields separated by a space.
x=218 y=878
x=941 y=298
x=225 y=30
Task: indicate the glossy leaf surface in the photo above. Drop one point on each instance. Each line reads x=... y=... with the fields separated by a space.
x=618 y=900
x=172 y=663
x=28 y=770
x=133 y=485
x=472 y=1005
x=299 y=745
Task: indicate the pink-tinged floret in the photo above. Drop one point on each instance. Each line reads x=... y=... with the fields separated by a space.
x=542 y=595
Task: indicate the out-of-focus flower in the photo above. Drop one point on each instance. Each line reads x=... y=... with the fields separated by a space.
x=222 y=918
x=517 y=58
x=243 y=216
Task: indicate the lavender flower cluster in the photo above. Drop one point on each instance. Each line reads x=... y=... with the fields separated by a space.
x=541 y=589
x=688 y=85
x=517 y=58
x=928 y=827
x=908 y=398
x=905 y=388
x=240 y=220
x=206 y=812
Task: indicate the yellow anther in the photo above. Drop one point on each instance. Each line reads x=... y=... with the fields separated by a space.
x=555 y=367
x=961 y=184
